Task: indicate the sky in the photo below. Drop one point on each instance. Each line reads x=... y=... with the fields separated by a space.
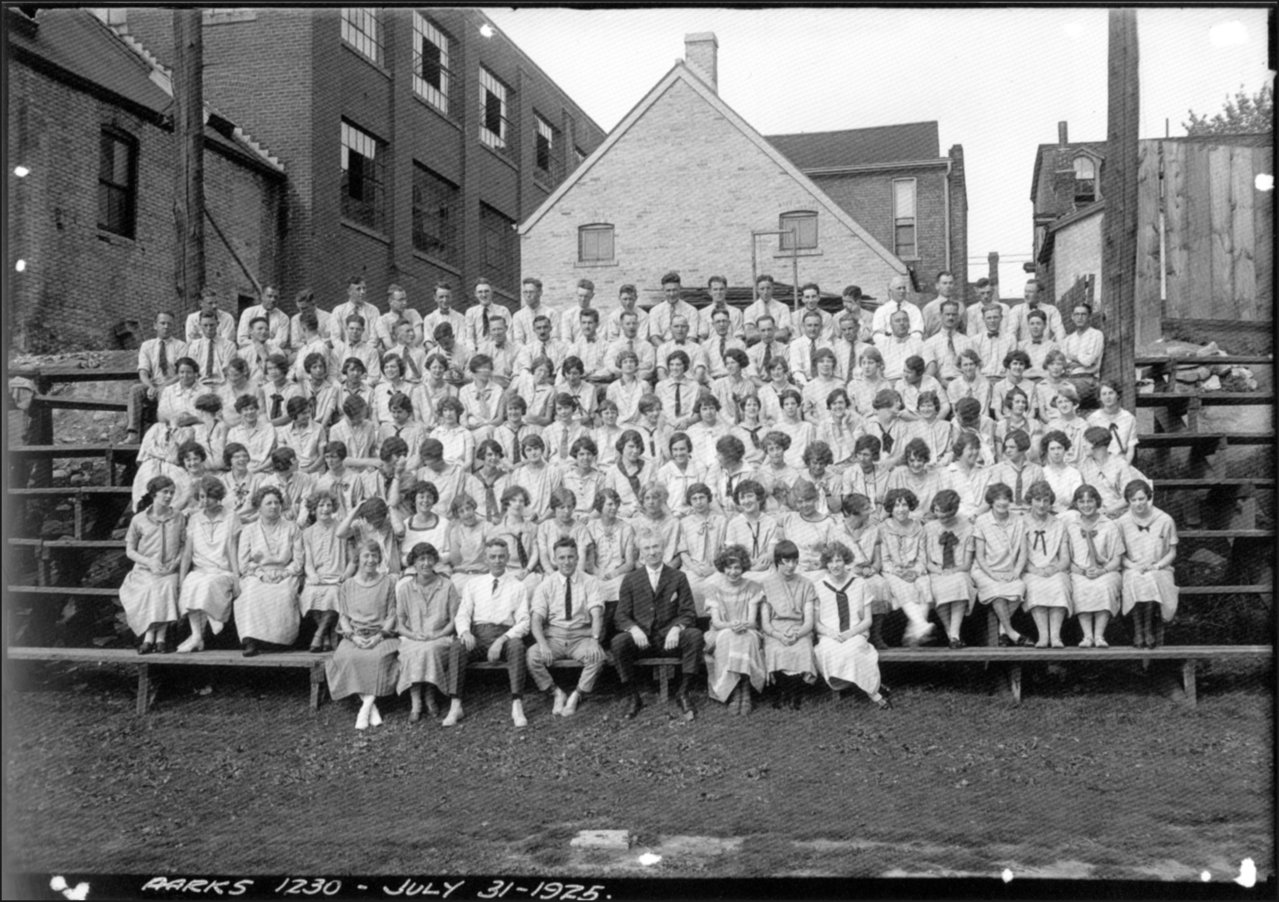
x=996 y=80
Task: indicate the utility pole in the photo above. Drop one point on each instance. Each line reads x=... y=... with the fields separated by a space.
x=1119 y=187
x=188 y=131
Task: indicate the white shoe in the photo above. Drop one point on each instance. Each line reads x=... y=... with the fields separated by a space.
x=560 y=698
x=517 y=714
x=362 y=721
x=193 y=643
x=570 y=706
x=375 y=717
x=455 y=714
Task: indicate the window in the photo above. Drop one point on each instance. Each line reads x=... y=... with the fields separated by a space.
x=363 y=177
x=595 y=243
x=435 y=215
x=362 y=29
x=904 y=239
x=117 y=183
x=804 y=225
x=1085 y=180
x=494 y=125
x=498 y=254
x=550 y=151
x=432 y=77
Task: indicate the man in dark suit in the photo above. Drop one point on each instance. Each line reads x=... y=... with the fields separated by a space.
x=655 y=609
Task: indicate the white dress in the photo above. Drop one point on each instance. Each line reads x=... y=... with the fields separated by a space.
x=151 y=598
x=1044 y=541
x=210 y=581
x=1100 y=595
x=731 y=655
x=268 y=611
x=854 y=660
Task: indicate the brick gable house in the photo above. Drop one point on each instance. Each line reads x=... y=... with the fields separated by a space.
x=681 y=183
x=90 y=124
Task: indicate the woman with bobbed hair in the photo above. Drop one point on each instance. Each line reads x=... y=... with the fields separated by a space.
x=270 y=561
x=367 y=662
x=207 y=572
x=425 y=606
x=734 y=655
x=149 y=593
x=844 y=654
x=324 y=557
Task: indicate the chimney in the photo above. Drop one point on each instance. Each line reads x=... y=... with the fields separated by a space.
x=701 y=51
x=1061 y=134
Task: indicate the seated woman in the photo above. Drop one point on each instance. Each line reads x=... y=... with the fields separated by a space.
x=654 y=516
x=905 y=563
x=561 y=525
x=207 y=573
x=630 y=474
x=367 y=663
x=374 y=521
x=788 y=616
x=861 y=534
x=701 y=539
x=425 y=525
x=467 y=536
x=753 y=529
x=734 y=656
x=271 y=560
x=520 y=536
x=844 y=655
x=324 y=555
x=916 y=475
x=1150 y=548
x=424 y=610
x=611 y=551
x=948 y=552
x=999 y=542
x=1096 y=548
x=1047 y=575
x=809 y=528
x=149 y=592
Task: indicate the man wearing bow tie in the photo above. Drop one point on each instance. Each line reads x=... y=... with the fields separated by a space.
x=655 y=611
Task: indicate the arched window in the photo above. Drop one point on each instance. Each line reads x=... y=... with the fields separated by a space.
x=595 y=243
x=1085 y=180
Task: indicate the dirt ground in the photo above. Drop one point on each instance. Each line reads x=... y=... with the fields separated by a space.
x=1098 y=774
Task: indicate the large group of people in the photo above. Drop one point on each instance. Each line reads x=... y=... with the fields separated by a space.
x=758 y=492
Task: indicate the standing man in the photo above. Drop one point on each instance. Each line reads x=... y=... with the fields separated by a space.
x=721 y=340
x=717 y=286
x=655 y=611
x=157 y=368
x=626 y=297
x=531 y=295
x=630 y=340
x=567 y=622
x=491 y=623
x=945 y=284
x=975 y=321
x=1018 y=324
x=899 y=345
x=305 y=300
x=444 y=313
x=663 y=315
x=803 y=350
x=356 y=289
x=211 y=352
x=571 y=319
x=479 y=318
x=680 y=341
x=542 y=345
x=398 y=300
x=592 y=350
x=764 y=305
x=501 y=349
x=1083 y=348
x=941 y=352
x=209 y=304
x=277 y=321
x=993 y=344
x=881 y=324
x=810 y=298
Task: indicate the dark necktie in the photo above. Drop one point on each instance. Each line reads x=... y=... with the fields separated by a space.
x=679 y=406
x=484 y=318
x=812 y=356
x=1145 y=528
x=515 y=449
x=755 y=539
x=211 y=362
x=732 y=483
x=886 y=440
x=652 y=450
x=1039 y=541
x=494 y=585
x=398 y=430
x=1017 y=488
x=632 y=478
x=408 y=358
x=723 y=346
x=950 y=343
x=564 y=443
x=841 y=604
x=992 y=335
x=277 y=402
x=164 y=360
x=852 y=359
x=754 y=434
x=491 y=508
x=1114 y=430
x=568 y=600
x=768 y=359
x=1089 y=536
x=948 y=542
x=521 y=552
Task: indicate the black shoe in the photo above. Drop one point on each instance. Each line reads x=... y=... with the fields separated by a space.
x=1005 y=642
x=796 y=700
x=146 y=648
x=633 y=709
x=251 y=649
x=884 y=703
x=685 y=704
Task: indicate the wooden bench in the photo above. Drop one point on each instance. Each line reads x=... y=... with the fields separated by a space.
x=1180 y=439
x=1188 y=655
x=311 y=661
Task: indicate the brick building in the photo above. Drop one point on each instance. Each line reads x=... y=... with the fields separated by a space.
x=1065 y=190
x=414 y=142
x=680 y=184
x=893 y=181
x=89 y=125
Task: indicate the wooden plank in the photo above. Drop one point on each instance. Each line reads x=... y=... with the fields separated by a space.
x=1235 y=398
x=1221 y=240
x=84 y=450
x=218 y=658
x=1147 y=292
x=1198 y=232
x=1263 y=228
x=71 y=402
x=1244 y=272
x=69 y=490
x=64 y=591
x=1179 y=439
x=1226 y=590
x=1183 y=534
x=1176 y=233
x=1212 y=483
x=1188 y=681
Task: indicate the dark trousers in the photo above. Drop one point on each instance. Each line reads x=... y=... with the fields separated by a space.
x=485 y=635
x=625 y=651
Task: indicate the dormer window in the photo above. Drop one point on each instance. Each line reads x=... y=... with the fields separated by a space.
x=1085 y=180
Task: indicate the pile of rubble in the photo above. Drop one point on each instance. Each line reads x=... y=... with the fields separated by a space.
x=1194 y=367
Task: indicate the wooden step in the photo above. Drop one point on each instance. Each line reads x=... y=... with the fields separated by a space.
x=1226 y=590
x=69 y=490
x=1228 y=360
x=69 y=543
x=65 y=591
x=1167 y=399
x=1225 y=534
x=218 y=658
x=1180 y=439
x=1268 y=483
x=117 y=369
x=974 y=653
x=121 y=450
x=70 y=402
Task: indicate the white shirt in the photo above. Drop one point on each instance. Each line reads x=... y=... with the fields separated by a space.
x=507 y=606
x=1085 y=346
x=654 y=577
x=1019 y=322
x=881 y=324
x=548 y=600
